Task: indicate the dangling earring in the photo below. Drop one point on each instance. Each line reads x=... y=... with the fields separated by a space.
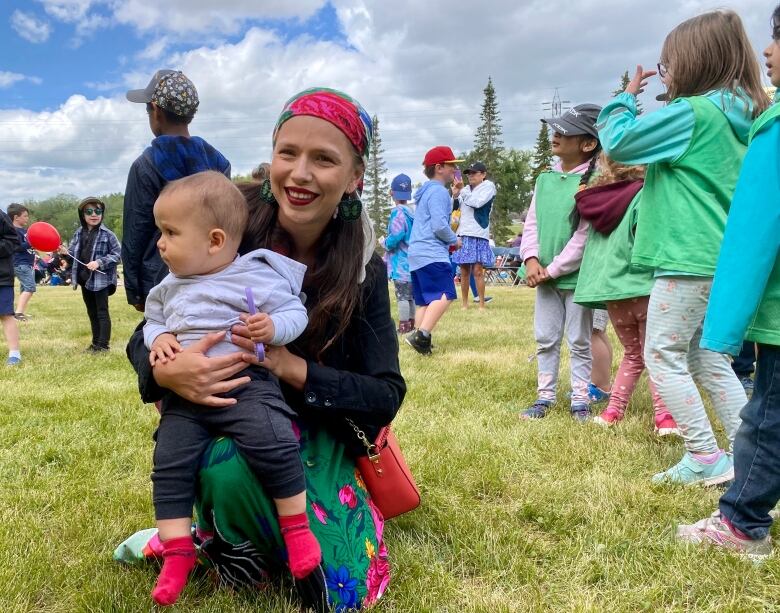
x=266 y=193
x=350 y=207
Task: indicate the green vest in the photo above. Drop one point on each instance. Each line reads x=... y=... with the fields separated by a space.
x=765 y=325
x=606 y=273
x=554 y=197
x=685 y=203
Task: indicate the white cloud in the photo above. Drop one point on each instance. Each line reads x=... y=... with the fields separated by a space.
x=30 y=27
x=9 y=78
x=207 y=15
x=422 y=75
x=180 y=17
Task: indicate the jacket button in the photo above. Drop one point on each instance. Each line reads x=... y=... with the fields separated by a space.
x=328 y=402
x=311 y=397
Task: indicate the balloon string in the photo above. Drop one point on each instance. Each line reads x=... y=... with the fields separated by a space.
x=75 y=259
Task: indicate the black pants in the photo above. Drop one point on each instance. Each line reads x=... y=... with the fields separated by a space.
x=259 y=423
x=744 y=364
x=756 y=487
x=99 y=319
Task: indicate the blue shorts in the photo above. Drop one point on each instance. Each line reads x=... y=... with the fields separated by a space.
x=6 y=300
x=26 y=278
x=431 y=281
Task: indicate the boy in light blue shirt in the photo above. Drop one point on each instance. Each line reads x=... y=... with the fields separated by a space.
x=433 y=287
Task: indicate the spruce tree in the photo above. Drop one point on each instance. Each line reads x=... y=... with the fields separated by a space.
x=488 y=142
x=543 y=156
x=488 y=147
x=376 y=193
x=624 y=81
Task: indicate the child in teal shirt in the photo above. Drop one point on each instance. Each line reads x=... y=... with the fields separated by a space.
x=745 y=303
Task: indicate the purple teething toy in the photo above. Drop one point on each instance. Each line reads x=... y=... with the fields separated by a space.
x=250 y=301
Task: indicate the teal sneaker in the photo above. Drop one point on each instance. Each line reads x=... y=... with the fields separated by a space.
x=690 y=471
x=713 y=530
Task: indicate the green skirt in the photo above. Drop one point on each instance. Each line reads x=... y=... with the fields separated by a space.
x=237 y=521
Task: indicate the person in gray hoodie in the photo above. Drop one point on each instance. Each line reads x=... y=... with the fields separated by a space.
x=432 y=237
x=171 y=103
x=202 y=219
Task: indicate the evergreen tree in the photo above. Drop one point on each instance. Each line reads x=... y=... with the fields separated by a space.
x=488 y=147
x=488 y=142
x=376 y=195
x=624 y=81
x=543 y=156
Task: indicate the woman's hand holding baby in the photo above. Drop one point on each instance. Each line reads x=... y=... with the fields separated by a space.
x=164 y=348
x=201 y=379
x=261 y=328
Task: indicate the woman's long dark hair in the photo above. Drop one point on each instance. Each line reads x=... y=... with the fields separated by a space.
x=335 y=277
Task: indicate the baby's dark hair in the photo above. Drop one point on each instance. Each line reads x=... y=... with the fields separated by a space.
x=776 y=23
x=218 y=201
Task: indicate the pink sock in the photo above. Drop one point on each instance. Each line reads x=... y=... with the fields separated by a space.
x=178 y=560
x=708 y=458
x=303 y=549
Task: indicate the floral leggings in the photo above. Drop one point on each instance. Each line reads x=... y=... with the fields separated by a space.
x=629 y=318
x=240 y=519
x=676 y=363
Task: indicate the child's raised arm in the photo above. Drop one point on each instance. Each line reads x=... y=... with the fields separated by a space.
x=629 y=138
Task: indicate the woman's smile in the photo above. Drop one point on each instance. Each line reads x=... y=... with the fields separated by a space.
x=299 y=196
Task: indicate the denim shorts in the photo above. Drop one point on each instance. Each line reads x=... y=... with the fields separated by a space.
x=6 y=300
x=26 y=277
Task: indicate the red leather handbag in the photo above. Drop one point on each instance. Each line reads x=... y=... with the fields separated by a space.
x=386 y=474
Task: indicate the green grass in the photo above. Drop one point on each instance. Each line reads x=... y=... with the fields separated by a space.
x=516 y=516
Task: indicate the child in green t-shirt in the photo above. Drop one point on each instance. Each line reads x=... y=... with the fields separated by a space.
x=611 y=205
x=553 y=242
x=693 y=149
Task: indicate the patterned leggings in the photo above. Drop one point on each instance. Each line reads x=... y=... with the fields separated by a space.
x=629 y=318
x=676 y=363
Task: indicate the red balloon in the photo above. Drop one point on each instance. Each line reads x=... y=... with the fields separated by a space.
x=43 y=236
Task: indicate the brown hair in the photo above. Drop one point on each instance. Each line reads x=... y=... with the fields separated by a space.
x=430 y=171
x=611 y=171
x=335 y=277
x=261 y=172
x=712 y=51
x=219 y=202
x=15 y=210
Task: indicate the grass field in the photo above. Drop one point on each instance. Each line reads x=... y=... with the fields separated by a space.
x=542 y=516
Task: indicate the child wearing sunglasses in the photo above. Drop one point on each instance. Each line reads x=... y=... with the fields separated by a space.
x=201 y=219
x=97 y=252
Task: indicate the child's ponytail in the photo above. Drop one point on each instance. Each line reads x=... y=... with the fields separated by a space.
x=574 y=216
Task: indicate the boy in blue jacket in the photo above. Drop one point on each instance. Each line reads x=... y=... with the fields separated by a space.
x=745 y=304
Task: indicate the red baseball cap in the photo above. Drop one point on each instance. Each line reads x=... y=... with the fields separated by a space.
x=440 y=155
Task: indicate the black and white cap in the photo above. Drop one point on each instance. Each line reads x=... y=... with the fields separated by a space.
x=576 y=121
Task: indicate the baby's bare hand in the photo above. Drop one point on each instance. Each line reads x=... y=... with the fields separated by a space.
x=261 y=328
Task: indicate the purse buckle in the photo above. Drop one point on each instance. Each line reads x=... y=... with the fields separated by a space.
x=374 y=455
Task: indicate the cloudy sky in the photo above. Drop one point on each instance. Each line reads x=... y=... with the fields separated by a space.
x=65 y=125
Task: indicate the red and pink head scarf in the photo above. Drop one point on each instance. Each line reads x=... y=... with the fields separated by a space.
x=335 y=107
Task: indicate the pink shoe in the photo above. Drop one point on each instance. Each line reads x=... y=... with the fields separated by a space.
x=609 y=417
x=665 y=425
